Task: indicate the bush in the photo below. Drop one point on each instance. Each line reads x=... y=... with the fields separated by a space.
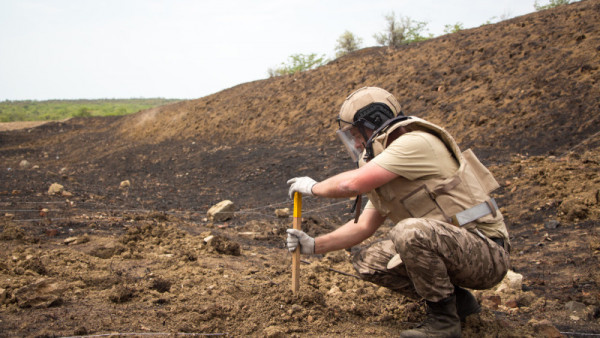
x=401 y=32
x=552 y=4
x=83 y=112
x=457 y=27
x=347 y=43
x=298 y=63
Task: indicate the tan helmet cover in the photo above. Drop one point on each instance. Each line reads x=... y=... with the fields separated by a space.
x=364 y=97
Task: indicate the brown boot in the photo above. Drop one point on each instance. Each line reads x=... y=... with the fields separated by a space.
x=442 y=321
x=466 y=304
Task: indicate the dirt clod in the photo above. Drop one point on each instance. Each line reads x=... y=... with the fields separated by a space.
x=121 y=294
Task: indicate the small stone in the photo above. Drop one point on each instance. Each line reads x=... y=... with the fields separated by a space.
x=125 y=184
x=552 y=224
x=220 y=212
x=55 y=189
x=70 y=240
x=121 y=294
x=492 y=302
x=81 y=331
x=296 y=308
x=51 y=232
x=335 y=290
x=24 y=164
x=383 y=292
x=274 y=332
x=546 y=329
x=513 y=280
x=3 y=294
x=282 y=213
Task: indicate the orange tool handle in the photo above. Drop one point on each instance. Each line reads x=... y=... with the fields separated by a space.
x=296 y=254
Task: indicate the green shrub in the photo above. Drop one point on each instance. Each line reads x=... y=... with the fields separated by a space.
x=83 y=112
x=552 y=4
x=401 y=32
x=347 y=43
x=298 y=63
x=457 y=27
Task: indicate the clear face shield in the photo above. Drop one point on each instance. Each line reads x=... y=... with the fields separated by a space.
x=352 y=140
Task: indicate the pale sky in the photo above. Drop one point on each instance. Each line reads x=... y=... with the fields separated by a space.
x=91 y=49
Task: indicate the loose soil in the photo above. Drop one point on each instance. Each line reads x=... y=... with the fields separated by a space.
x=4 y=126
x=105 y=257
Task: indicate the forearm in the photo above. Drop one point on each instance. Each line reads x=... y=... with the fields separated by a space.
x=353 y=182
x=341 y=238
x=338 y=186
x=349 y=234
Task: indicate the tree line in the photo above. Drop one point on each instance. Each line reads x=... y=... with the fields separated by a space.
x=31 y=110
x=398 y=31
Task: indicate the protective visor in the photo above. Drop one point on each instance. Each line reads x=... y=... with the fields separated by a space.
x=352 y=141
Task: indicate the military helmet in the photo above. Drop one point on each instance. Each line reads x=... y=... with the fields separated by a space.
x=365 y=109
x=368 y=107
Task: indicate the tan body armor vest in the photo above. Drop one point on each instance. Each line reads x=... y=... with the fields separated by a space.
x=438 y=198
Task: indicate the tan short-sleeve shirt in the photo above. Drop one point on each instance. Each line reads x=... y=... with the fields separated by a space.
x=417 y=155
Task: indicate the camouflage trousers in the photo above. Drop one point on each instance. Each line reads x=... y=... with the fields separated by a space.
x=433 y=257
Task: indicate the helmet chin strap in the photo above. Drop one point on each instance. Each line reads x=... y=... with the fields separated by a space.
x=369 y=153
x=362 y=129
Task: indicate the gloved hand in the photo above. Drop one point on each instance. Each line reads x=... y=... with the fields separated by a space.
x=302 y=185
x=297 y=237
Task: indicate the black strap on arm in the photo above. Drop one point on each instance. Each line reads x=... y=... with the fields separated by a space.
x=356 y=207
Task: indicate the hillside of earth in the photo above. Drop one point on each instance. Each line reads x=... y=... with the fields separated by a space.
x=124 y=244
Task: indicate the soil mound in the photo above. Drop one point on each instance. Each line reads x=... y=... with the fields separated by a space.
x=126 y=245
x=523 y=85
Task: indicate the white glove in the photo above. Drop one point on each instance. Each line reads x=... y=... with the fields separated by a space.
x=302 y=185
x=297 y=237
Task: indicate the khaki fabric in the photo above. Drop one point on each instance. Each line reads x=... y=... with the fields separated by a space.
x=417 y=155
x=438 y=192
x=426 y=255
x=435 y=256
x=364 y=97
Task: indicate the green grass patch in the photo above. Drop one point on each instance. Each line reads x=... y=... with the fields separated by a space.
x=11 y=111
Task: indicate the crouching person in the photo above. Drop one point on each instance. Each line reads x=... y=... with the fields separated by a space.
x=448 y=235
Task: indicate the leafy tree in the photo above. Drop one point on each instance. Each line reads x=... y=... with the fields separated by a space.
x=298 y=63
x=552 y=4
x=401 y=31
x=347 y=43
x=457 y=27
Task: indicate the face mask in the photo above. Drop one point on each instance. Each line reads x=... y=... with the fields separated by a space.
x=353 y=142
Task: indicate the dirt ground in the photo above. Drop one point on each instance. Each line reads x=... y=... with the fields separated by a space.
x=4 y=126
x=126 y=248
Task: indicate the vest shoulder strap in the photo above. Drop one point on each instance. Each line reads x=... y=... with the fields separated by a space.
x=370 y=154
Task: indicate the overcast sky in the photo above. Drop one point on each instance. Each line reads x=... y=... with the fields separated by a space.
x=88 y=49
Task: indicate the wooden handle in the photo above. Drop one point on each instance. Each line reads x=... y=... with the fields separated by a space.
x=296 y=254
